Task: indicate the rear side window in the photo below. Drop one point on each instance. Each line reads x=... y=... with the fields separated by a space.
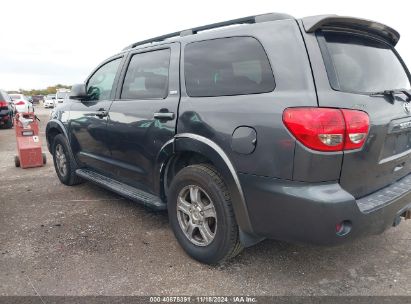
x=147 y=76
x=227 y=66
x=361 y=64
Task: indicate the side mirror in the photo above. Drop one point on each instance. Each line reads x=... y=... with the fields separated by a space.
x=79 y=92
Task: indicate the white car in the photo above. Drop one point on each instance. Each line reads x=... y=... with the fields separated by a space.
x=50 y=101
x=62 y=96
x=21 y=103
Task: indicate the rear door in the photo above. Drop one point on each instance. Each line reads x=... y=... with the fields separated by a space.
x=142 y=118
x=348 y=68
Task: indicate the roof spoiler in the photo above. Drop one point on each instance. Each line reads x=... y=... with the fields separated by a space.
x=314 y=23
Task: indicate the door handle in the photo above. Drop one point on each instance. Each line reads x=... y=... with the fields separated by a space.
x=101 y=113
x=164 y=115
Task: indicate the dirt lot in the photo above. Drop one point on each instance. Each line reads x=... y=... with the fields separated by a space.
x=84 y=240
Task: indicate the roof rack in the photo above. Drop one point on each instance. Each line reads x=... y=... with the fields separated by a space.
x=244 y=20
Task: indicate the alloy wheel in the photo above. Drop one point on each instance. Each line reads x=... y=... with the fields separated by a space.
x=196 y=215
x=61 y=160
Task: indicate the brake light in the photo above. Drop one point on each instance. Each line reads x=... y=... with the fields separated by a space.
x=357 y=124
x=20 y=103
x=3 y=104
x=327 y=129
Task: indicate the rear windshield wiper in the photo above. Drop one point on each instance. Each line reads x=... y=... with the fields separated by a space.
x=392 y=93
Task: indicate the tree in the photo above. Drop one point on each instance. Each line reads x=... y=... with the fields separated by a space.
x=48 y=90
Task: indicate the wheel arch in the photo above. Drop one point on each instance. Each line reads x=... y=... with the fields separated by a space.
x=53 y=128
x=202 y=149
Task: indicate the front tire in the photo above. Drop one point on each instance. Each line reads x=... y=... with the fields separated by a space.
x=64 y=163
x=201 y=215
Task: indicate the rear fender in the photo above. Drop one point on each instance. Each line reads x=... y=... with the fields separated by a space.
x=188 y=142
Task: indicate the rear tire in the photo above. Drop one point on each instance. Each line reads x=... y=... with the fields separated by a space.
x=44 y=158
x=193 y=190
x=64 y=163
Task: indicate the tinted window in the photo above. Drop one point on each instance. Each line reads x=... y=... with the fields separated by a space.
x=4 y=97
x=147 y=76
x=228 y=66
x=101 y=83
x=362 y=64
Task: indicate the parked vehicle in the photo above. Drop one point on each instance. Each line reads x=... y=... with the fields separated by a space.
x=50 y=101
x=62 y=95
x=21 y=103
x=296 y=130
x=6 y=110
x=37 y=99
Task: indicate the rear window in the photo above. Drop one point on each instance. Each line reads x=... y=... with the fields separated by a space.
x=15 y=96
x=361 y=64
x=227 y=66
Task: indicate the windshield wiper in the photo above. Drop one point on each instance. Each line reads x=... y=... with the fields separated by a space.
x=392 y=93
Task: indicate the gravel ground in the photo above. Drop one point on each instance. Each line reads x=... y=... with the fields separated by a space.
x=83 y=240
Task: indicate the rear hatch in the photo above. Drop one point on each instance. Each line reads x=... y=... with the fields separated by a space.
x=360 y=65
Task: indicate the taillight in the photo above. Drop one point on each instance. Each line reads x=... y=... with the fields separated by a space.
x=326 y=129
x=20 y=103
x=357 y=124
x=3 y=104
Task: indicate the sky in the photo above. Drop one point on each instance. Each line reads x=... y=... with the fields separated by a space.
x=46 y=42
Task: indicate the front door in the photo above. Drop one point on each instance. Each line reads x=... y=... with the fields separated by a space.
x=88 y=119
x=143 y=116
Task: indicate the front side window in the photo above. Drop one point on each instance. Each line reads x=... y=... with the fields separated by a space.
x=227 y=66
x=147 y=76
x=100 y=85
x=361 y=64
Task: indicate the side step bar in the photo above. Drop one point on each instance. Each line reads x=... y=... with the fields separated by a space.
x=122 y=189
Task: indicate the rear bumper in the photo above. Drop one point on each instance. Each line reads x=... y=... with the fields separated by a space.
x=308 y=212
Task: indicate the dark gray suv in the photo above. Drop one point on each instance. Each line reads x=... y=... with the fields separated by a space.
x=259 y=127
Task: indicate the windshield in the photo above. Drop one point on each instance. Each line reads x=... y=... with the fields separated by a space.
x=363 y=65
x=51 y=96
